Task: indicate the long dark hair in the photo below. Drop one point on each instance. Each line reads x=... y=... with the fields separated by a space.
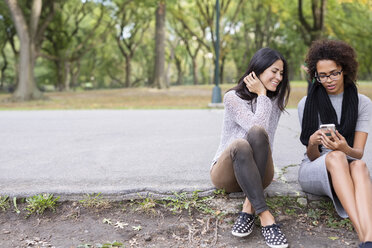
x=260 y=61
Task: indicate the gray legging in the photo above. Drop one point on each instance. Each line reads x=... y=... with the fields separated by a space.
x=246 y=165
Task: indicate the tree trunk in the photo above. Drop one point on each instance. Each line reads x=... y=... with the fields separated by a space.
x=74 y=73
x=66 y=75
x=195 y=71
x=59 y=83
x=26 y=87
x=314 y=32
x=159 y=78
x=3 y=68
x=222 y=66
x=179 y=72
x=128 y=72
x=203 y=74
x=169 y=65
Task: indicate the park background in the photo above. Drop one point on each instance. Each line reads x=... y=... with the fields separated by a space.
x=80 y=54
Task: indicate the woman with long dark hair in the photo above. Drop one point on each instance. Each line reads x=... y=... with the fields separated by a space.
x=243 y=161
x=332 y=164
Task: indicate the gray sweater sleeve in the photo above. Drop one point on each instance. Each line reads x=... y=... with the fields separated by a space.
x=242 y=114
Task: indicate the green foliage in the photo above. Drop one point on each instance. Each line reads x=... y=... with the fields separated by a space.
x=181 y=201
x=146 y=205
x=325 y=212
x=220 y=192
x=15 y=205
x=283 y=205
x=95 y=41
x=39 y=203
x=95 y=201
x=114 y=244
x=4 y=202
x=336 y=222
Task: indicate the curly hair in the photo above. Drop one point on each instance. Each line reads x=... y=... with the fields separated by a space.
x=340 y=52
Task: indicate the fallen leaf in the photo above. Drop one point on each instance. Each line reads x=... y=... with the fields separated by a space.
x=120 y=224
x=136 y=228
x=107 y=221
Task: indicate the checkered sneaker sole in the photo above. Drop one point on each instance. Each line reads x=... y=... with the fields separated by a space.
x=243 y=226
x=274 y=237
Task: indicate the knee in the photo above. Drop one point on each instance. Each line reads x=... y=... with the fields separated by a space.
x=359 y=170
x=336 y=160
x=240 y=145
x=257 y=134
x=240 y=149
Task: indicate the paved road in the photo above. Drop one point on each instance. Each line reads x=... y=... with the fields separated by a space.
x=119 y=152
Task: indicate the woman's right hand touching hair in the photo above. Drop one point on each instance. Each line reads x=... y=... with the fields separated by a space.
x=254 y=84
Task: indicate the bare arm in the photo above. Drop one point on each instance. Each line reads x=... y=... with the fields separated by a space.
x=339 y=143
x=312 y=150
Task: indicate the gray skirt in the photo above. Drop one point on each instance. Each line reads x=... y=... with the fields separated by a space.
x=313 y=178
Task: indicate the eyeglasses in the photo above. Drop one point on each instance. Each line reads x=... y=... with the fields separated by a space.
x=324 y=78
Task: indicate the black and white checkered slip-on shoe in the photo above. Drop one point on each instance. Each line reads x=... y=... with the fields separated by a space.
x=274 y=237
x=243 y=226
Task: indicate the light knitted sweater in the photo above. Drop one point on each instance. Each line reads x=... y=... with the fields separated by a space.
x=240 y=116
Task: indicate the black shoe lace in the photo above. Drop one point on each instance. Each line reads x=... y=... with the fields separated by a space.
x=276 y=229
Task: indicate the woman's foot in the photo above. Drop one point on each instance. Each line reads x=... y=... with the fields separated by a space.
x=266 y=218
x=243 y=226
x=274 y=237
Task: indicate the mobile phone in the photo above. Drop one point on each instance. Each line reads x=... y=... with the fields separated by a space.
x=326 y=127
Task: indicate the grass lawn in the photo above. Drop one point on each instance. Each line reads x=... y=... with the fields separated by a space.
x=177 y=97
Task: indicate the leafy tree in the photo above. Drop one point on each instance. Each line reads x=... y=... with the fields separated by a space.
x=159 y=76
x=133 y=22
x=198 y=20
x=314 y=31
x=184 y=39
x=351 y=21
x=30 y=28
x=77 y=29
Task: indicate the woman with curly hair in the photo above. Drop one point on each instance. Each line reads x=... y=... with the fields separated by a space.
x=332 y=165
x=243 y=160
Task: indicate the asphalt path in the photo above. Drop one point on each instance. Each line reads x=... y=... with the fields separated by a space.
x=122 y=152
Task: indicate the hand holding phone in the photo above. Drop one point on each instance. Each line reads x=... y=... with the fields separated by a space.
x=327 y=127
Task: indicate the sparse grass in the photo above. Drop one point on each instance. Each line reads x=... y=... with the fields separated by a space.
x=146 y=205
x=114 y=244
x=181 y=201
x=177 y=97
x=39 y=203
x=95 y=201
x=4 y=203
x=221 y=192
x=15 y=205
x=321 y=212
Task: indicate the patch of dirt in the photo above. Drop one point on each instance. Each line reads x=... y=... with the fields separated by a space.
x=73 y=225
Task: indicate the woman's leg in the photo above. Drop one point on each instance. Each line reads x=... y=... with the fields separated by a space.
x=222 y=173
x=339 y=169
x=238 y=170
x=259 y=141
x=363 y=197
